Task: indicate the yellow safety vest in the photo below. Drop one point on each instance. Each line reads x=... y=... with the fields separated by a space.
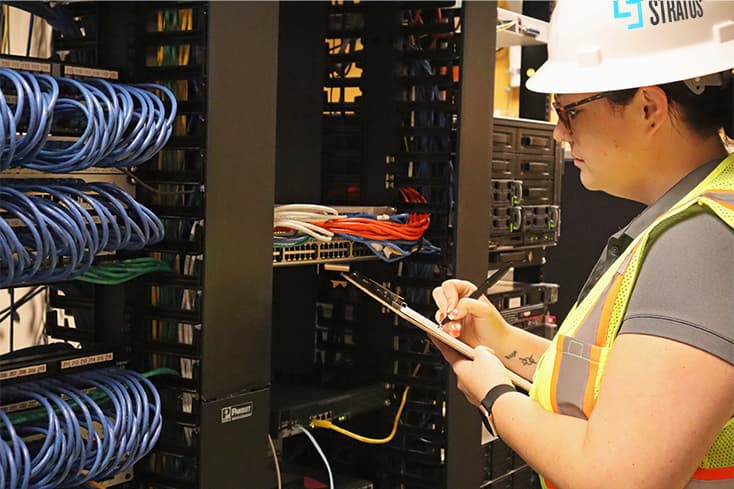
x=569 y=373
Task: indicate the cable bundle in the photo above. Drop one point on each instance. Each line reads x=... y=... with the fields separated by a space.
x=116 y=125
x=78 y=435
x=390 y=237
x=118 y=272
x=300 y=218
x=51 y=230
x=35 y=97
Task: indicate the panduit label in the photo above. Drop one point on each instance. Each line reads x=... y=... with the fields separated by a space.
x=237 y=412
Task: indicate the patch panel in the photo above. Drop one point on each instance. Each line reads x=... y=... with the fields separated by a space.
x=321 y=252
x=36 y=362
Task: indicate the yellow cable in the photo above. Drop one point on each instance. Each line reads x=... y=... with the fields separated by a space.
x=96 y=485
x=319 y=423
x=6 y=28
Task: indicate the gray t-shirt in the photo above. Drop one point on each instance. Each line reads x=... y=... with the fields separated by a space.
x=685 y=288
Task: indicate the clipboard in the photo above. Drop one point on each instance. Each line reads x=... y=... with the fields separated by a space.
x=399 y=306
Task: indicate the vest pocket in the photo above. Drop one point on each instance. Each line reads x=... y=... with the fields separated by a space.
x=577 y=364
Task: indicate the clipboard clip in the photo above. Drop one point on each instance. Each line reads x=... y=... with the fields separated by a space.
x=377 y=290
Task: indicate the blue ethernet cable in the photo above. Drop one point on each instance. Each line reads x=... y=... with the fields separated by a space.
x=84 y=379
x=44 y=458
x=19 y=477
x=72 y=439
x=105 y=444
x=21 y=207
x=45 y=470
x=8 y=151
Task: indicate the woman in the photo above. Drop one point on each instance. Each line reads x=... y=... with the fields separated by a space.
x=637 y=388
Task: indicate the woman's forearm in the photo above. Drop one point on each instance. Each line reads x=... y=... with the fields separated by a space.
x=520 y=350
x=551 y=443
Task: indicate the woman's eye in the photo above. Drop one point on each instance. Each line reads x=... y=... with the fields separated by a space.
x=572 y=113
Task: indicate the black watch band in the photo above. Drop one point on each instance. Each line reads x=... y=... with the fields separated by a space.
x=494 y=394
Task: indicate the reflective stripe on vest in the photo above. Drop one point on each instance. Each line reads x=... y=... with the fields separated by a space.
x=569 y=373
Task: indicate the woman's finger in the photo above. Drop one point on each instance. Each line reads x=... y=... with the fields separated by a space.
x=448 y=294
x=474 y=307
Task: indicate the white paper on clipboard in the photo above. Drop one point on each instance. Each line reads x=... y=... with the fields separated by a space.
x=435 y=330
x=397 y=304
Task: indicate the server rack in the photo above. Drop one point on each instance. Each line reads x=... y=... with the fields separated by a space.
x=208 y=319
x=250 y=126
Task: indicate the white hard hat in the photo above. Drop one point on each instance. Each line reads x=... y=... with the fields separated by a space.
x=602 y=45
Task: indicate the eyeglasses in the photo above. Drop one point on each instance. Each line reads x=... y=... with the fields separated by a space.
x=568 y=111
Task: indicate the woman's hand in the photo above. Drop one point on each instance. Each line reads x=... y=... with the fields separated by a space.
x=474 y=321
x=475 y=377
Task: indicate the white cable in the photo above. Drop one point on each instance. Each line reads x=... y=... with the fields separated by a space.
x=275 y=460
x=506 y=26
x=312 y=230
x=321 y=452
x=316 y=208
x=306 y=216
x=300 y=218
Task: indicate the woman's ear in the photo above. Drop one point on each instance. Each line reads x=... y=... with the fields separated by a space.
x=654 y=105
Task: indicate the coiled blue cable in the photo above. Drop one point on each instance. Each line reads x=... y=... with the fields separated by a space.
x=21 y=467
x=64 y=225
x=120 y=428
x=47 y=457
x=97 y=447
x=121 y=125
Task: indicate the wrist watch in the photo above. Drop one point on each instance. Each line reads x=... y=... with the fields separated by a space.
x=489 y=400
x=494 y=394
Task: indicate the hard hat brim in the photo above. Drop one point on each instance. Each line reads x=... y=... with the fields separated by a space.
x=568 y=77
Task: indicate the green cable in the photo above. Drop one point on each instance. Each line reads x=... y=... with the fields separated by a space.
x=160 y=371
x=115 y=273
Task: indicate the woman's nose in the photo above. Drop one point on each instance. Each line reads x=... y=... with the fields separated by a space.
x=561 y=133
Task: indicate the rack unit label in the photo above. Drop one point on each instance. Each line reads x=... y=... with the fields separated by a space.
x=23 y=371
x=237 y=412
x=90 y=360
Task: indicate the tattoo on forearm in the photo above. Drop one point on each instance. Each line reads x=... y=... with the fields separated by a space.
x=529 y=360
x=511 y=355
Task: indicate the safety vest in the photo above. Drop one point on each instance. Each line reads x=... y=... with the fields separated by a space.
x=569 y=373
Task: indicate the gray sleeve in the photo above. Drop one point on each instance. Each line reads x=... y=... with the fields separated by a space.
x=685 y=289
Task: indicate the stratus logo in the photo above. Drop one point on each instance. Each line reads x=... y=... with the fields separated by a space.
x=661 y=12
x=633 y=6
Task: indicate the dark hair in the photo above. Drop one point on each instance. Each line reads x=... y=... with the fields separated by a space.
x=705 y=113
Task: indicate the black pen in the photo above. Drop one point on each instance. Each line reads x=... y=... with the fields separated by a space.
x=491 y=280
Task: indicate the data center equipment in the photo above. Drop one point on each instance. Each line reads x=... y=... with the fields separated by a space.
x=73 y=414
x=270 y=371
x=527 y=164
